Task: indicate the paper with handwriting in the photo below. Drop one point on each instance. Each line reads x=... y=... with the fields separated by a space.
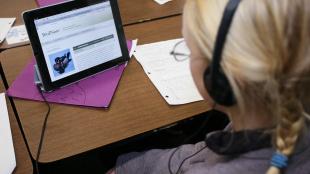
x=172 y=79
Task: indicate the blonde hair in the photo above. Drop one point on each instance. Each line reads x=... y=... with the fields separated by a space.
x=266 y=58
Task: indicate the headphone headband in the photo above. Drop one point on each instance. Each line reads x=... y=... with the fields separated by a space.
x=215 y=80
x=228 y=15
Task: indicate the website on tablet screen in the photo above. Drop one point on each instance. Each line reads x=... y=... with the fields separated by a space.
x=78 y=40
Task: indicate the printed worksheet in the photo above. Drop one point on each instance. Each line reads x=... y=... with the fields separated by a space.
x=5 y=26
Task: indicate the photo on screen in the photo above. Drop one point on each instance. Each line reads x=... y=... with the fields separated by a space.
x=61 y=62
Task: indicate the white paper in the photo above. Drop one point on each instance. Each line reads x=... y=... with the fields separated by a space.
x=5 y=26
x=171 y=78
x=7 y=154
x=161 y=2
x=133 y=47
x=17 y=35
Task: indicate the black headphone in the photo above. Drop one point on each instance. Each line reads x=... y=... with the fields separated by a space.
x=215 y=80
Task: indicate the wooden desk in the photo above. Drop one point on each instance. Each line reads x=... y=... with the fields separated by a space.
x=23 y=161
x=14 y=8
x=137 y=106
x=133 y=11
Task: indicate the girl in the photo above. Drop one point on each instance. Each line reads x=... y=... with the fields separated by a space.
x=266 y=59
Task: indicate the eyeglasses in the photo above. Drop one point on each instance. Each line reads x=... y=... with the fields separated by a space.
x=180 y=51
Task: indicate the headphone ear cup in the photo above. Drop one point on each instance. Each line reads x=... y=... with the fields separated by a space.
x=207 y=80
x=219 y=88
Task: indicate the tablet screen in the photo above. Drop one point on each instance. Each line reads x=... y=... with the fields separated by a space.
x=78 y=40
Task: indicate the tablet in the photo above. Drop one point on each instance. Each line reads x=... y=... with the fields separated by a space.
x=75 y=40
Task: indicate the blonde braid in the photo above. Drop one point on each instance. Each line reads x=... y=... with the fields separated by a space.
x=290 y=125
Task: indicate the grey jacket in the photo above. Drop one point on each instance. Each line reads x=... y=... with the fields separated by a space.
x=236 y=160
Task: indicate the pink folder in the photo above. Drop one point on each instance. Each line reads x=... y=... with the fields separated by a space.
x=43 y=3
x=95 y=91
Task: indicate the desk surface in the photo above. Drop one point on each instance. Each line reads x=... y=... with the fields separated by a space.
x=14 y=8
x=132 y=11
x=138 y=10
x=23 y=161
x=137 y=106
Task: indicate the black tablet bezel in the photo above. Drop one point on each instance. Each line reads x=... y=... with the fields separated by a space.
x=29 y=18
